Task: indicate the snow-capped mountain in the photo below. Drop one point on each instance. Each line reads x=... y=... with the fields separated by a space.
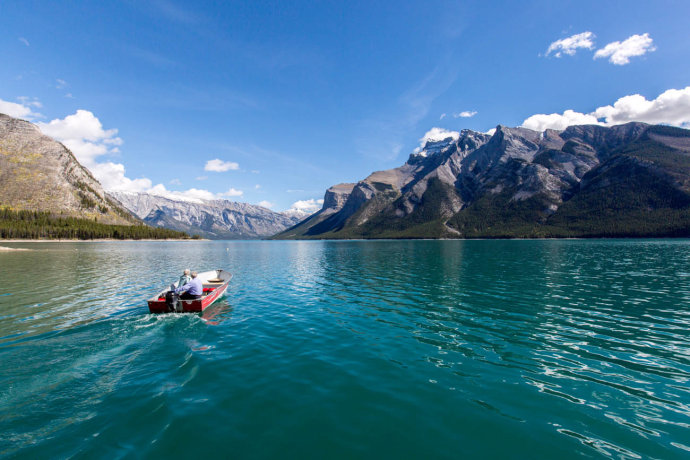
x=214 y=219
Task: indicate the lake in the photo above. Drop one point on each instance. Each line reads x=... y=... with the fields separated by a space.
x=349 y=349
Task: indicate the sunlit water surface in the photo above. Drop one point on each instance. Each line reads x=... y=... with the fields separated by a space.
x=397 y=349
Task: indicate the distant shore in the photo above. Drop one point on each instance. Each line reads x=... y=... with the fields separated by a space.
x=95 y=240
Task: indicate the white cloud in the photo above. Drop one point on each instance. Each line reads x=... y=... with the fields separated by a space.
x=16 y=110
x=257 y=186
x=266 y=204
x=60 y=83
x=24 y=40
x=112 y=177
x=201 y=177
x=671 y=107
x=232 y=192
x=443 y=115
x=465 y=114
x=571 y=44
x=192 y=195
x=305 y=207
x=435 y=135
x=491 y=131
x=619 y=53
x=438 y=134
x=84 y=135
x=220 y=165
x=69 y=96
x=542 y=121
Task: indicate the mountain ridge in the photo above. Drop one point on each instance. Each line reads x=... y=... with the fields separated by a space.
x=517 y=182
x=214 y=219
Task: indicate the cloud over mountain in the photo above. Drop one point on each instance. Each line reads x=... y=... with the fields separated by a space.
x=672 y=107
x=83 y=133
x=18 y=110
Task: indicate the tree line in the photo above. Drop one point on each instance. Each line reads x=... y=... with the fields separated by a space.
x=44 y=225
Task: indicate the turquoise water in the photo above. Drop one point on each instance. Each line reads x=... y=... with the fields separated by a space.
x=396 y=349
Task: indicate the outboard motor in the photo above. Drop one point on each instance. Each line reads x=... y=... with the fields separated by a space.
x=172 y=300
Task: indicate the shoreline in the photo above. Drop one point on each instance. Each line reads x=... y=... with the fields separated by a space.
x=95 y=240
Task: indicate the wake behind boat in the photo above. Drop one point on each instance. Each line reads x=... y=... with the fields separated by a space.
x=215 y=283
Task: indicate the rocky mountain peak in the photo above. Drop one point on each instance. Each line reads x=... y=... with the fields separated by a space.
x=516 y=182
x=40 y=174
x=336 y=196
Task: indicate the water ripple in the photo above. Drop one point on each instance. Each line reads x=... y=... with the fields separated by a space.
x=477 y=349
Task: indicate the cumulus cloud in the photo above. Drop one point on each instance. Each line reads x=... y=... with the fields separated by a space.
x=619 y=53
x=20 y=110
x=112 y=177
x=465 y=114
x=217 y=165
x=266 y=204
x=84 y=135
x=304 y=207
x=542 y=121
x=571 y=44
x=672 y=107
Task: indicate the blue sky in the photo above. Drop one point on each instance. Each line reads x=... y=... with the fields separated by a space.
x=293 y=97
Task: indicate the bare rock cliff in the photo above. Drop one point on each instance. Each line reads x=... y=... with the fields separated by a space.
x=38 y=173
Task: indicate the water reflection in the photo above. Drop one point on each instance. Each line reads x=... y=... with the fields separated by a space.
x=217 y=313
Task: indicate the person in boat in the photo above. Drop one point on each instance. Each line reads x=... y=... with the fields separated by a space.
x=184 y=279
x=191 y=290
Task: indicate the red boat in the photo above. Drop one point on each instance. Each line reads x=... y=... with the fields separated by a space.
x=215 y=282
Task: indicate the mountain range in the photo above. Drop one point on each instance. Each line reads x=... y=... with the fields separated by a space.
x=38 y=173
x=630 y=180
x=213 y=219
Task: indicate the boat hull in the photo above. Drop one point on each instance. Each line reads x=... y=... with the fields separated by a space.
x=212 y=292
